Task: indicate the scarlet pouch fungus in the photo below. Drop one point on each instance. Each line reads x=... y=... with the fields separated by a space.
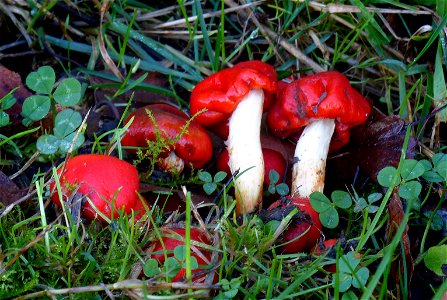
x=273 y=160
x=323 y=102
x=109 y=183
x=239 y=94
x=193 y=148
x=172 y=238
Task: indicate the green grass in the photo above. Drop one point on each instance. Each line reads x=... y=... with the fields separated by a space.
x=46 y=253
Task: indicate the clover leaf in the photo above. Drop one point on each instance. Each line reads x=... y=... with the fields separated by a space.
x=327 y=208
x=410 y=190
x=68 y=92
x=66 y=142
x=412 y=169
x=151 y=268
x=387 y=176
x=47 y=144
x=66 y=122
x=4 y=119
x=180 y=254
x=435 y=258
x=42 y=80
x=36 y=107
x=282 y=188
x=210 y=183
x=351 y=273
x=172 y=266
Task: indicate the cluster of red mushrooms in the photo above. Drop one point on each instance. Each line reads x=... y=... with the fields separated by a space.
x=319 y=108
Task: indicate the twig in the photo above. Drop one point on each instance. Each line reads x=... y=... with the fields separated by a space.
x=161 y=12
x=125 y=285
x=102 y=48
x=342 y=8
x=7 y=11
x=26 y=165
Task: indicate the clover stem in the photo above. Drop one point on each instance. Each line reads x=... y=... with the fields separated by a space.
x=53 y=111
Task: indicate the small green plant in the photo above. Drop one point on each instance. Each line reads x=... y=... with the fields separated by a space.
x=230 y=288
x=36 y=107
x=327 y=208
x=162 y=144
x=6 y=103
x=437 y=170
x=350 y=272
x=436 y=222
x=171 y=266
x=210 y=183
x=436 y=260
x=409 y=187
x=368 y=203
x=274 y=187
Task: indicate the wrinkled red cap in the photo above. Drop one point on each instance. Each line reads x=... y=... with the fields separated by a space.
x=103 y=179
x=273 y=160
x=221 y=92
x=326 y=95
x=194 y=146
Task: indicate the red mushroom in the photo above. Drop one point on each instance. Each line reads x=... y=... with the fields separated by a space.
x=273 y=160
x=321 y=249
x=109 y=183
x=193 y=148
x=239 y=94
x=303 y=233
x=172 y=238
x=324 y=102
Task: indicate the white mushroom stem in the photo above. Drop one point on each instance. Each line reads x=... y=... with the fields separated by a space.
x=245 y=153
x=310 y=157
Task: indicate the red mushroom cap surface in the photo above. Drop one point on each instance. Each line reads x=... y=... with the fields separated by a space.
x=103 y=179
x=194 y=146
x=322 y=248
x=273 y=160
x=170 y=243
x=308 y=232
x=221 y=92
x=326 y=95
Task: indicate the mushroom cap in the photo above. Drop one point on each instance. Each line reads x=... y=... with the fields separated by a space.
x=273 y=160
x=104 y=179
x=326 y=95
x=194 y=146
x=300 y=236
x=221 y=92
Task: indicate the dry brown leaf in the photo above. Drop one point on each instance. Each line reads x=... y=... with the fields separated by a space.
x=396 y=214
x=9 y=191
x=378 y=143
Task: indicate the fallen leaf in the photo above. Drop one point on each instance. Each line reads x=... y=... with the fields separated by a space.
x=396 y=215
x=10 y=80
x=378 y=143
x=9 y=191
